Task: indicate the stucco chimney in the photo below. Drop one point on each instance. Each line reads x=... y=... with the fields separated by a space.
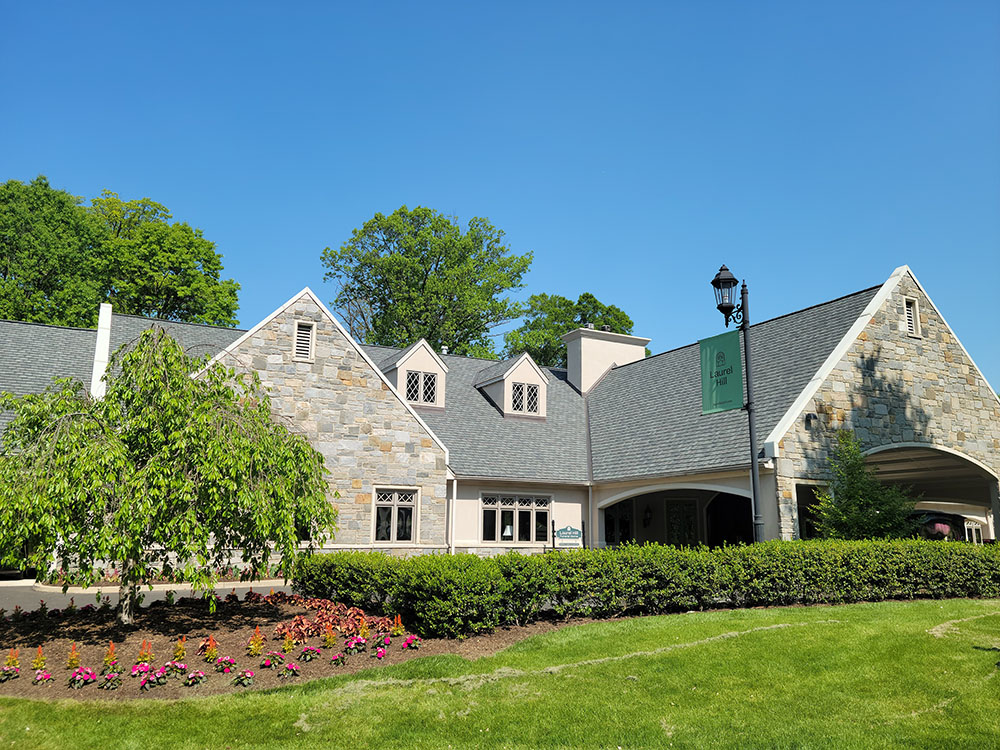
x=102 y=351
x=589 y=354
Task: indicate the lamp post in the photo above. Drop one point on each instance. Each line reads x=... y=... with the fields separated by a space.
x=725 y=298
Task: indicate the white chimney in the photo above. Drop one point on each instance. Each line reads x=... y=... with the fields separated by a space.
x=591 y=353
x=102 y=351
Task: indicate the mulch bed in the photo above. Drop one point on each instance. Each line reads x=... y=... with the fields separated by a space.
x=231 y=625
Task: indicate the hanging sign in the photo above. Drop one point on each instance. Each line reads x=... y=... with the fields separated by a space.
x=721 y=373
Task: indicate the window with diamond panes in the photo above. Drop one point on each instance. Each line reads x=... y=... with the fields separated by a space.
x=517 y=397
x=531 y=399
x=421 y=387
x=394 y=511
x=515 y=518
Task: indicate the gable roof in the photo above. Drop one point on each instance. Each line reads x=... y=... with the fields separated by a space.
x=485 y=444
x=393 y=361
x=196 y=339
x=500 y=370
x=645 y=417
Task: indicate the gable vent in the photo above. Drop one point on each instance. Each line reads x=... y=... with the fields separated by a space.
x=303 y=340
x=912 y=317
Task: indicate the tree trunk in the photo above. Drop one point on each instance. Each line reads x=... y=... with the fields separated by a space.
x=127 y=597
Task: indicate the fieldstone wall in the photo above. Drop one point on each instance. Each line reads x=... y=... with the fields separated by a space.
x=892 y=387
x=341 y=405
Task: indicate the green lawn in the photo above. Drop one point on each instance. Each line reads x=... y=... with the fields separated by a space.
x=868 y=675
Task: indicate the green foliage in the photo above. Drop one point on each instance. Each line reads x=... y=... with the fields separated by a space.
x=59 y=260
x=549 y=316
x=856 y=505
x=464 y=594
x=415 y=274
x=167 y=472
x=48 y=246
x=160 y=270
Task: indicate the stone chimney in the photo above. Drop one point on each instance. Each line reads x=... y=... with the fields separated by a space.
x=590 y=353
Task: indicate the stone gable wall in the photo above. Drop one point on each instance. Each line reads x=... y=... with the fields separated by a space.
x=349 y=415
x=889 y=388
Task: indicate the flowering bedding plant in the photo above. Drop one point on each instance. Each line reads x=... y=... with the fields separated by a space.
x=339 y=660
x=309 y=653
x=291 y=670
x=195 y=678
x=175 y=668
x=244 y=678
x=141 y=669
x=81 y=677
x=378 y=653
x=412 y=642
x=225 y=664
x=272 y=659
x=355 y=645
x=43 y=677
x=110 y=681
x=152 y=678
x=8 y=672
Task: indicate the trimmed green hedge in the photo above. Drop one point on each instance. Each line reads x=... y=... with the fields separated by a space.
x=442 y=595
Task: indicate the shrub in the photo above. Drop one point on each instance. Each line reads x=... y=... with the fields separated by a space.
x=454 y=596
x=357 y=579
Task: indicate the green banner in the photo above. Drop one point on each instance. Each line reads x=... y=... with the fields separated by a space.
x=721 y=373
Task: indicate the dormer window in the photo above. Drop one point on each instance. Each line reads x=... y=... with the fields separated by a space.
x=524 y=398
x=421 y=387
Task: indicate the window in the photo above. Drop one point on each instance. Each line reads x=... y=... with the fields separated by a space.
x=805 y=499
x=394 y=511
x=304 y=340
x=515 y=518
x=421 y=387
x=524 y=398
x=912 y=316
x=973 y=532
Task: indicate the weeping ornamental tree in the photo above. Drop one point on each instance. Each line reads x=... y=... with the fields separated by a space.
x=166 y=472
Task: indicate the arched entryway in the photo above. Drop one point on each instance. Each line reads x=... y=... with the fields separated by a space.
x=949 y=484
x=677 y=516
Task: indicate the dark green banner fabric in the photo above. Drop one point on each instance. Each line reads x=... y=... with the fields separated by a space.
x=721 y=373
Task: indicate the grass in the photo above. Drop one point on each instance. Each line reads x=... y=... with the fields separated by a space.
x=864 y=676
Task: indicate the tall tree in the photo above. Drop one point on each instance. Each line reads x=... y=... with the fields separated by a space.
x=416 y=274
x=549 y=316
x=856 y=505
x=166 y=472
x=48 y=255
x=59 y=260
x=151 y=267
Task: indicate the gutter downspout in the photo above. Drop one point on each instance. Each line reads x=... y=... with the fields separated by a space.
x=451 y=517
x=590 y=514
x=102 y=352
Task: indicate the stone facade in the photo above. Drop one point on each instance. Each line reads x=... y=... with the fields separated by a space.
x=367 y=435
x=893 y=388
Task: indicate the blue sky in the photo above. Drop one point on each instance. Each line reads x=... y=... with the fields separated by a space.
x=633 y=147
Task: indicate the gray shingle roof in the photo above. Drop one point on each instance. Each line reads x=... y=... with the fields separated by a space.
x=32 y=354
x=645 y=417
x=482 y=443
x=197 y=340
x=493 y=371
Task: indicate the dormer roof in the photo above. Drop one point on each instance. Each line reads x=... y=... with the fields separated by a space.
x=395 y=361
x=502 y=369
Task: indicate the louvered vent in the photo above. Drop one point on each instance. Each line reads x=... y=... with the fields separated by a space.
x=303 y=340
x=912 y=321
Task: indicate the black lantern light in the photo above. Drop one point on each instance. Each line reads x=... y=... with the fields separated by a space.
x=725 y=292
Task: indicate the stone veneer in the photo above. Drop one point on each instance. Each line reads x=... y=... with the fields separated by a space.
x=889 y=388
x=368 y=437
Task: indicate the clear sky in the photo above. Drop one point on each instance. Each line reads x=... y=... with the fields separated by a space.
x=633 y=147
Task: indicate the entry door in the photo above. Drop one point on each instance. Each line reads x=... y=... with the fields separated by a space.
x=618 y=524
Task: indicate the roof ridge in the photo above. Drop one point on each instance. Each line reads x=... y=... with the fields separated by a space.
x=176 y=322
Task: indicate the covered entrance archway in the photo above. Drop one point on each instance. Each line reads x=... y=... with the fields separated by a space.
x=947 y=482
x=679 y=517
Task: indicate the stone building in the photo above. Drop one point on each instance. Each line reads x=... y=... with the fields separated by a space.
x=430 y=452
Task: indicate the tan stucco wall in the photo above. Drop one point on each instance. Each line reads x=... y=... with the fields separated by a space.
x=893 y=388
x=421 y=360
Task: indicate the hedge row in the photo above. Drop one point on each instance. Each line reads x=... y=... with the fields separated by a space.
x=451 y=596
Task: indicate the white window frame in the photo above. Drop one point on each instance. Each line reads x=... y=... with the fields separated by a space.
x=421 y=387
x=414 y=527
x=525 y=387
x=915 y=303
x=522 y=501
x=311 y=325
x=973 y=529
